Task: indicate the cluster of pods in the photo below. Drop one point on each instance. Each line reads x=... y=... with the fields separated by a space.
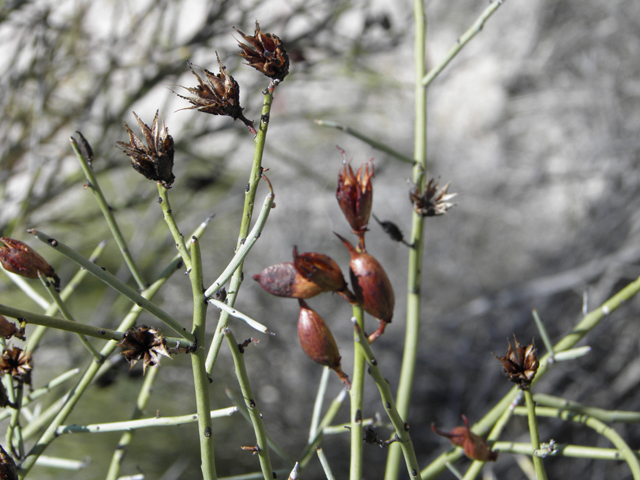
x=311 y=273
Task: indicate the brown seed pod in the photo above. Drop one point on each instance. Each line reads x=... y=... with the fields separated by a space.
x=474 y=447
x=319 y=269
x=318 y=342
x=355 y=196
x=19 y=258
x=371 y=286
x=265 y=52
x=283 y=280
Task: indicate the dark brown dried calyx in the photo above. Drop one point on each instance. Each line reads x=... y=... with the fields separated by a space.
x=392 y=230
x=434 y=201
x=266 y=53
x=17 y=363
x=8 y=468
x=355 y=196
x=152 y=158
x=216 y=94
x=520 y=364
x=143 y=343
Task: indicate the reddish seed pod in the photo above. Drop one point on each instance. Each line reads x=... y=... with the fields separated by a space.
x=318 y=342
x=319 y=269
x=283 y=280
x=19 y=258
x=371 y=286
x=474 y=447
x=355 y=196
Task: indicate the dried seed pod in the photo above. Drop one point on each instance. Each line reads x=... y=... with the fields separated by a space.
x=17 y=363
x=154 y=159
x=371 y=286
x=8 y=329
x=19 y=258
x=8 y=468
x=520 y=364
x=318 y=342
x=319 y=269
x=217 y=95
x=283 y=280
x=143 y=343
x=265 y=53
x=355 y=196
x=433 y=202
x=392 y=230
x=474 y=447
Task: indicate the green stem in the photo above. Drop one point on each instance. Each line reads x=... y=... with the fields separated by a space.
x=245 y=223
x=173 y=226
x=535 y=435
x=599 y=413
x=401 y=428
x=114 y=283
x=369 y=141
x=461 y=42
x=127 y=436
x=496 y=431
x=67 y=315
x=151 y=422
x=563 y=450
x=78 y=390
x=252 y=407
x=239 y=403
x=356 y=395
x=77 y=279
x=108 y=214
x=81 y=328
x=325 y=464
x=600 y=427
x=317 y=405
x=242 y=252
x=588 y=323
x=412 y=332
x=200 y=377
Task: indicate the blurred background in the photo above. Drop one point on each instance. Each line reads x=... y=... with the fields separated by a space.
x=534 y=124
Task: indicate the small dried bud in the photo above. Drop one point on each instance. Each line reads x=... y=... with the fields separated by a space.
x=283 y=280
x=217 y=94
x=319 y=269
x=392 y=230
x=143 y=343
x=8 y=329
x=474 y=447
x=371 y=286
x=19 y=258
x=4 y=400
x=355 y=196
x=265 y=53
x=8 y=469
x=16 y=363
x=433 y=202
x=85 y=148
x=318 y=342
x=155 y=159
x=521 y=364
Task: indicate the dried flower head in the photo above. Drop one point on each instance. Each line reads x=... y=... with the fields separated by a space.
x=143 y=343
x=8 y=468
x=319 y=269
x=265 y=52
x=216 y=94
x=355 y=196
x=318 y=342
x=433 y=202
x=19 y=258
x=17 y=363
x=474 y=447
x=154 y=159
x=8 y=329
x=520 y=364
